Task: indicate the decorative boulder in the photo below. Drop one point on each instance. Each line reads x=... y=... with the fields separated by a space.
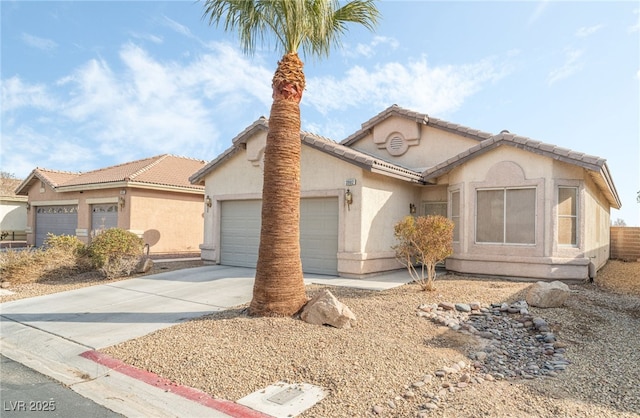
x=325 y=309
x=144 y=265
x=548 y=294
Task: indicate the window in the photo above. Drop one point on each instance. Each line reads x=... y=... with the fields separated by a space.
x=455 y=215
x=435 y=208
x=506 y=216
x=567 y=215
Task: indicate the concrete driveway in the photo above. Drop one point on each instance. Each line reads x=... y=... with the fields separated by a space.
x=104 y=315
x=58 y=334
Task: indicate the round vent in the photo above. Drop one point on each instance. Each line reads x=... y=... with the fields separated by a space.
x=396 y=145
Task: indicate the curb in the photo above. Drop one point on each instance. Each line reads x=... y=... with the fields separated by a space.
x=227 y=407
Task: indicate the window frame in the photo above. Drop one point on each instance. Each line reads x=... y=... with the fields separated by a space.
x=504 y=219
x=456 y=218
x=575 y=216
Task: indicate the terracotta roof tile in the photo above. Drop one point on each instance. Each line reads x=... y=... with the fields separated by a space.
x=162 y=170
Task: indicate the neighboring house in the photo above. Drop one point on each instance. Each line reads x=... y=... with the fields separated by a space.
x=521 y=208
x=13 y=211
x=151 y=197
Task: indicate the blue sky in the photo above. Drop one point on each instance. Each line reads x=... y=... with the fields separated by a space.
x=89 y=84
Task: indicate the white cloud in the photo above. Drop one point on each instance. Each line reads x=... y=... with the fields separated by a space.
x=150 y=107
x=147 y=37
x=571 y=66
x=177 y=27
x=416 y=85
x=39 y=43
x=370 y=49
x=539 y=10
x=586 y=31
x=16 y=94
x=636 y=26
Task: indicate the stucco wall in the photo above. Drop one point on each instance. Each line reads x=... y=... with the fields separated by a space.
x=178 y=216
x=512 y=167
x=431 y=147
x=13 y=215
x=169 y=223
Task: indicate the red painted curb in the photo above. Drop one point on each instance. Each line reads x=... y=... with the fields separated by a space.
x=227 y=407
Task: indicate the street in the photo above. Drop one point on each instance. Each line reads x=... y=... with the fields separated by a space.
x=26 y=393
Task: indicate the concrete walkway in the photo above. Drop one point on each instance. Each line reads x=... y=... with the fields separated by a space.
x=58 y=335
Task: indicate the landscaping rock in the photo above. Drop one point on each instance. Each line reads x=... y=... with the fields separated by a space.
x=548 y=294
x=145 y=265
x=325 y=309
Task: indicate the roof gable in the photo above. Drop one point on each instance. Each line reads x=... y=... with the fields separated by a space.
x=326 y=145
x=162 y=171
x=420 y=118
x=596 y=166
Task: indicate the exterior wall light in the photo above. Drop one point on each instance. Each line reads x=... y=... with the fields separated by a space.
x=207 y=201
x=412 y=208
x=28 y=206
x=348 y=198
x=121 y=202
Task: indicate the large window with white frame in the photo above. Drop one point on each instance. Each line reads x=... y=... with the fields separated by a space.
x=568 y=216
x=506 y=216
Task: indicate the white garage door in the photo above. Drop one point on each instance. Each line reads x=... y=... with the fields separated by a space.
x=58 y=220
x=240 y=234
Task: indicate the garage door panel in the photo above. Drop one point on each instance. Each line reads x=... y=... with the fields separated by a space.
x=57 y=220
x=319 y=235
x=240 y=234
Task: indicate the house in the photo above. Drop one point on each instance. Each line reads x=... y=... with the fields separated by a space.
x=151 y=197
x=13 y=212
x=521 y=208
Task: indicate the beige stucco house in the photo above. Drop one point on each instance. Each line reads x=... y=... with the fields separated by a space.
x=151 y=197
x=521 y=207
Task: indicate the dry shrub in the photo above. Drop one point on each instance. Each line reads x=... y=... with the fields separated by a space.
x=116 y=252
x=60 y=257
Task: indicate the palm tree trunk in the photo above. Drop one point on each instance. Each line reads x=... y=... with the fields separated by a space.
x=279 y=285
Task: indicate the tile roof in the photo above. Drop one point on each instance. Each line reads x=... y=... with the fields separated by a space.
x=595 y=165
x=162 y=171
x=320 y=143
x=421 y=118
x=259 y=125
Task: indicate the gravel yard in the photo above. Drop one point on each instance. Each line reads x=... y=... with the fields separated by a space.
x=387 y=365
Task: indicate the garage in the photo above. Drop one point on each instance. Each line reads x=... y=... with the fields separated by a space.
x=58 y=220
x=103 y=217
x=240 y=234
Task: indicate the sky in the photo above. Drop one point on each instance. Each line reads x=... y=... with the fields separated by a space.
x=89 y=84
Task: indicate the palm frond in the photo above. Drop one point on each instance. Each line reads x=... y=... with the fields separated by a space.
x=314 y=26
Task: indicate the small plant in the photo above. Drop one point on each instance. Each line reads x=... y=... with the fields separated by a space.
x=116 y=252
x=424 y=241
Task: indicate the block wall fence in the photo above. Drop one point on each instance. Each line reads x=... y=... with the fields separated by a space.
x=625 y=243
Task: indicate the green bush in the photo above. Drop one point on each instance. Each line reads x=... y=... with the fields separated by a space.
x=116 y=252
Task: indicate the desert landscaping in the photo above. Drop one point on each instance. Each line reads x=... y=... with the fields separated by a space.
x=389 y=363
x=398 y=361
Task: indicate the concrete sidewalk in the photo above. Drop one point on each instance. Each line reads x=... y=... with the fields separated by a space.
x=58 y=335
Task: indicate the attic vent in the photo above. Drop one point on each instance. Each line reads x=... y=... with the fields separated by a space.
x=396 y=145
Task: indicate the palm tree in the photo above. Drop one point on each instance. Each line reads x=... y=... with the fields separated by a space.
x=315 y=26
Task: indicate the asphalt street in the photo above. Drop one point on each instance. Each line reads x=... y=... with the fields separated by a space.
x=25 y=393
